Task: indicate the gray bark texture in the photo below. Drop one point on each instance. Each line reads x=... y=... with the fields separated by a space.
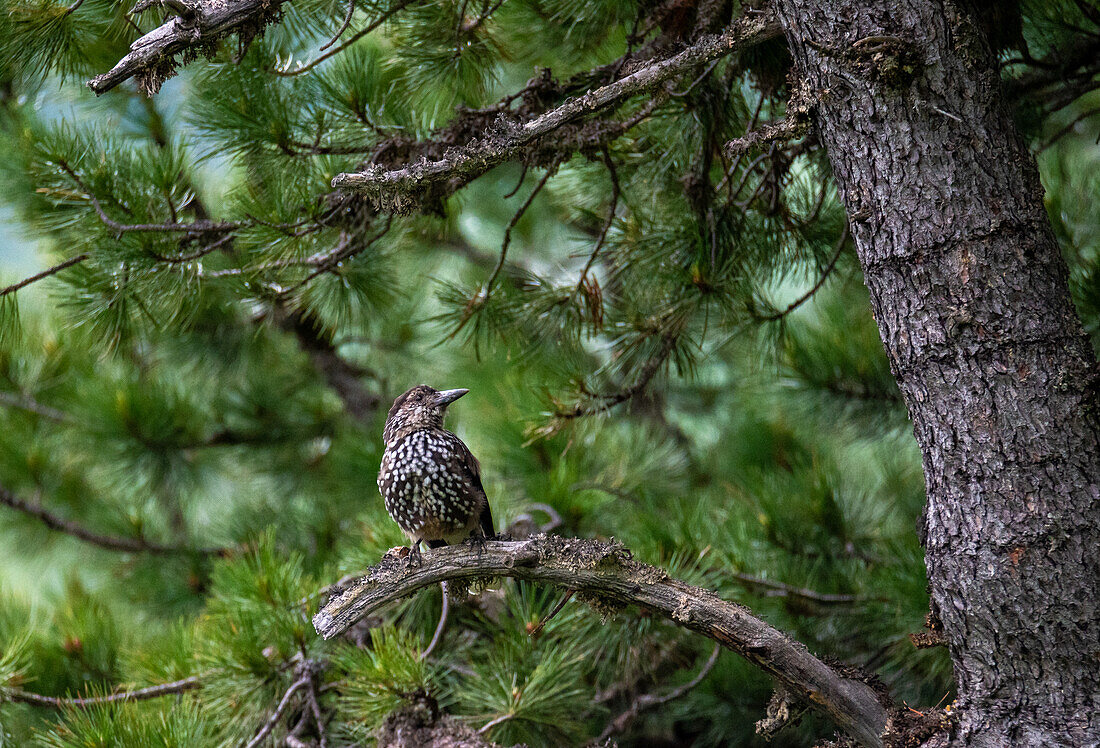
x=605 y=575
x=969 y=291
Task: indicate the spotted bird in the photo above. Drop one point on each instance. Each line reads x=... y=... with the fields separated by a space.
x=429 y=479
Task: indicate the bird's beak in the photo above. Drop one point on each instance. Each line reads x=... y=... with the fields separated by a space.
x=446 y=397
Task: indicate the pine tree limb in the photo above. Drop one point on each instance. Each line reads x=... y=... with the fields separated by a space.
x=151 y=57
x=648 y=701
x=284 y=704
x=140 y=694
x=504 y=140
x=26 y=403
x=442 y=625
x=794 y=124
x=605 y=573
x=44 y=274
x=109 y=542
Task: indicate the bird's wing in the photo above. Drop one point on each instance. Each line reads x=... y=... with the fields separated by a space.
x=470 y=468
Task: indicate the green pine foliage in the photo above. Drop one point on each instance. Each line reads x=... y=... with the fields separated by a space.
x=711 y=392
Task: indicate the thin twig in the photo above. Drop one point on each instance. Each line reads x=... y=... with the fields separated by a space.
x=779 y=589
x=817 y=286
x=494 y=722
x=345 y=250
x=538 y=627
x=615 y=193
x=488 y=288
x=30 y=405
x=109 y=542
x=351 y=40
x=273 y=720
x=648 y=701
x=343 y=27
x=482 y=18
x=140 y=694
x=318 y=716
x=604 y=402
x=702 y=76
x=197 y=254
x=737 y=162
x=438 y=635
x=44 y=274
x=795 y=123
x=1064 y=131
x=194 y=227
x=519 y=183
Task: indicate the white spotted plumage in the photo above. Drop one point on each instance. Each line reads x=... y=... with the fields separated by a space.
x=428 y=479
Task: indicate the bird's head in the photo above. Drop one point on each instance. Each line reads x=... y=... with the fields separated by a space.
x=419 y=408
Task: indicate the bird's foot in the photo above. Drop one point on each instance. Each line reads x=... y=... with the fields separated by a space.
x=478 y=541
x=414 y=559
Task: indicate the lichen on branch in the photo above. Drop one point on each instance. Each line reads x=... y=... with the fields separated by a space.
x=605 y=574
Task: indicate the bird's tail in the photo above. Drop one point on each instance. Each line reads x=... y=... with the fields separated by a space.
x=487 y=522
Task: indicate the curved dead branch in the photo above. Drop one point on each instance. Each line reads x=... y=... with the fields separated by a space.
x=606 y=574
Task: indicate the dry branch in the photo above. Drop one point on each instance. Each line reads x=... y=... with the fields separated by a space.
x=606 y=574
x=504 y=139
x=140 y=694
x=151 y=57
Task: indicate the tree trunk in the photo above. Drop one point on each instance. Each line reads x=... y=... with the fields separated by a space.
x=969 y=291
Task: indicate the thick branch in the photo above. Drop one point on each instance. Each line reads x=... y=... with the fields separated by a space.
x=607 y=573
x=150 y=57
x=140 y=694
x=504 y=140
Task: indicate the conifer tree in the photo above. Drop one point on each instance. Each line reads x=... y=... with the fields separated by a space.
x=659 y=241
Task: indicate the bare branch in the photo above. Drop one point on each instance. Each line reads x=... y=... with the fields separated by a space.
x=287 y=73
x=648 y=701
x=109 y=542
x=192 y=228
x=606 y=572
x=140 y=694
x=535 y=630
x=508 y=231
x=817 y=286
x=602 y=403
x=343 y=27
x=615 y=194
x=505 y=138
x=779 y=589
x=27 y=403
x=795 y=124
x=44 y=274
x=1069 y=127
x=439 y=627
x=151 y=57
x=284 y=704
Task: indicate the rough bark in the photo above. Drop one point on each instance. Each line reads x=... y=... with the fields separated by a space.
x=504 y=139
x=199 y=28
x=605 y=575
x=970 y=294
